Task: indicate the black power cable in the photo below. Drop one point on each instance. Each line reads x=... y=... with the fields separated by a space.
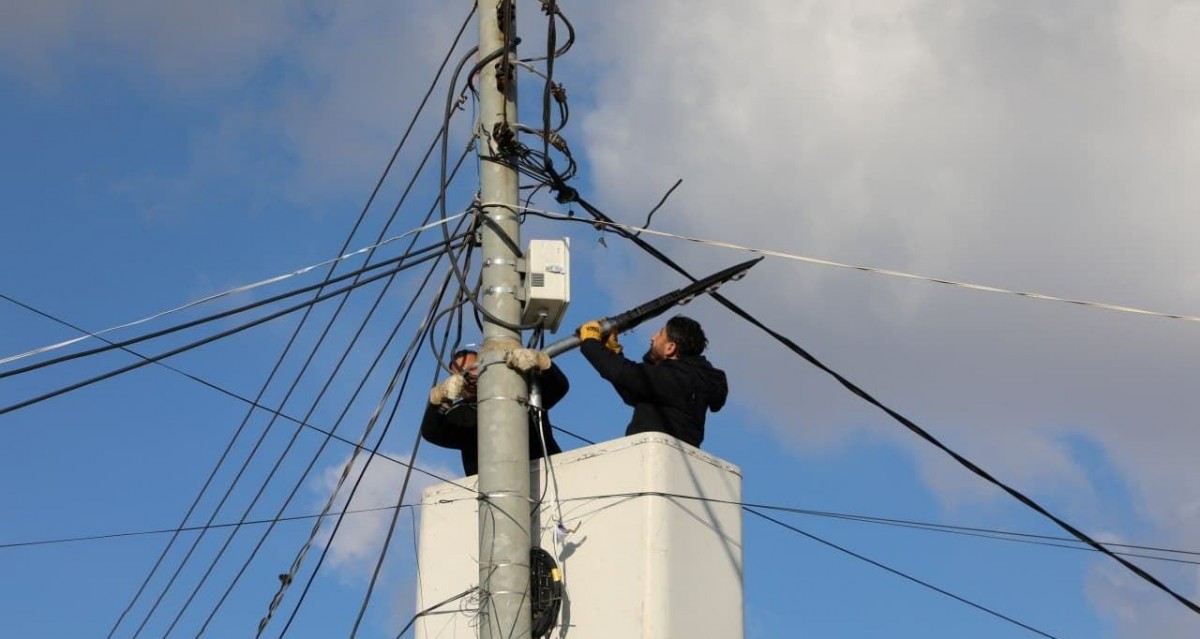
x=993 y=534
x=216 y=387
x=568 y=194
x=296 y=332
x=357 y=446
x=223 y=334
x=316 y=456
x=282 y=456
x=379 y=298
x=262 y=488
x=164 y=531
x=387 y=540
x=404 y=368
x=121 y=345
x=433 y=608
x=899 y=573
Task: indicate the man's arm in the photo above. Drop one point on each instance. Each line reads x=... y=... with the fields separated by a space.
x=554 y=385
x=628 y=378
x=445 y=429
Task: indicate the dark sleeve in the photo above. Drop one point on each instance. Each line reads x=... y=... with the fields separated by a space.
x=554 y=385
x=447 y=429
x=628 y=378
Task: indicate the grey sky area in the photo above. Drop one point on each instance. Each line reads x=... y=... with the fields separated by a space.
x=1035 y=146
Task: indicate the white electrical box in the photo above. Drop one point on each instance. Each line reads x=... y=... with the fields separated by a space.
x=654 y=548
x=547 y=282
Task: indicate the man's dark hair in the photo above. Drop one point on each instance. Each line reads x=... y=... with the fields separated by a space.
x=688 y=336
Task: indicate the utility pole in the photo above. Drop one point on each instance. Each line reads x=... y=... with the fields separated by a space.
x=504 y=507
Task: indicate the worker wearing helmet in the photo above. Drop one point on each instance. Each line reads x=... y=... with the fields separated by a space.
x=451 y=418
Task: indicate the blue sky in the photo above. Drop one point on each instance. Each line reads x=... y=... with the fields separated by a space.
x=157 y=155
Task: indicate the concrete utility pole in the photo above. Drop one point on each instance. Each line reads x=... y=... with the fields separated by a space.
x=504 y=510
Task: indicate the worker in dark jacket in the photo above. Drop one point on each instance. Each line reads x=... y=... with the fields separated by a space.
x=451 y=418
x=674 y=385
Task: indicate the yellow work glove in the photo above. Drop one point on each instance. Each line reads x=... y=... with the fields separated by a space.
x=590 y=330
x=612 y=344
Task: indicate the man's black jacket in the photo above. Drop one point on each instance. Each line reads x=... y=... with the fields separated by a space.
x=670 y=397
x=457 y=427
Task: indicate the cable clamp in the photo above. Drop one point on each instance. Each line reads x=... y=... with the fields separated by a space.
x=501 y=217
x=502 y=493
x=522 y=593
x=507 y=212
x=503 y=564
x=504 y=290
x=518 y=264
x=524 y=401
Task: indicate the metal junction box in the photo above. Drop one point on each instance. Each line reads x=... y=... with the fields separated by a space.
x=547 y=282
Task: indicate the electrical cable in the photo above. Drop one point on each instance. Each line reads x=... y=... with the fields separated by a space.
x=223 y=334
x=483 y=215
x=570 y=194
x=230 y=312
x=551 y=8
x=371 y=455
x=412 y=520
x=637 y=230
x=163 y=531
x=434 y=607
x=387 y=539
x=262 y=539
x=983 y=533
x=650 y=215
x=237 y=290
x=224 y=314
x=425 y=327
x=296 y=332
x=346 y=353
x=223 y=391
x=901 y=574
x=439 y=354
x=316 y=456
x=566 y=23
x=337 y=368
x=969 y=531
x=569 y=433
x=195 y=378
x=265 y=482
x=405 y=364
x=295 y=434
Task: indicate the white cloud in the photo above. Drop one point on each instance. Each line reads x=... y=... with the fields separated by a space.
x=1045 y=146
x=312 y=100
x=190 y=46
x=360 y=538
x=1138 y=609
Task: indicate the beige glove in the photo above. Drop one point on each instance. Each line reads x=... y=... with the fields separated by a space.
x=527 y=359
x=612 y=344
x=449 y=390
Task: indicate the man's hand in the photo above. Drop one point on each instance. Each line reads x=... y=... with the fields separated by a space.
x=612 y=344
x=527 y=359
x=449 y=390
x=590 y=330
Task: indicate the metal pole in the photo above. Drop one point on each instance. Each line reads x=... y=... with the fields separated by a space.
x=504 y=507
